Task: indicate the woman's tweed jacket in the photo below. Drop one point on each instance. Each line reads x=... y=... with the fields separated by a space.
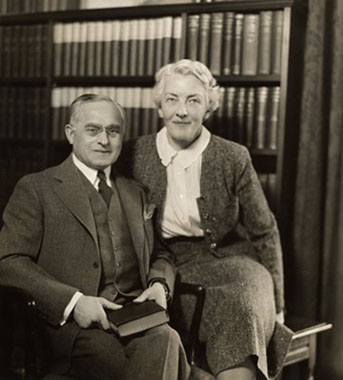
x=234 y=213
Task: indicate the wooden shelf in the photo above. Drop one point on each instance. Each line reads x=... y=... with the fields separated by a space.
x=142 y=11
x=25 y=81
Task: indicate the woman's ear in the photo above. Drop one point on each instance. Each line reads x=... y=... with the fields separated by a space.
x=207 y=115
x=160 y=113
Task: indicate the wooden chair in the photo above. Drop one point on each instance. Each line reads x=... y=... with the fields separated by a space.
x=304 y=342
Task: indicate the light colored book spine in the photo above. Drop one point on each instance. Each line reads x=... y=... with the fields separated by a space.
x=176 y=39
x=204 y=37
x=273 y=118
x=265 y=34
x=58 y=48
x=141 y=48
x=277 y=26
x=158 y=44
x=217 y=20
x=99 y=48
x=261 y=117
x=250 y=44
x=167 y=39
x=150 y=53
x=238 y=31
x=228 y=42
x=75 y=48
x=90 y=48
x=82 y=49
x=115 y=47
x=124 y=47
x=192 y=36
x=107 y=57
x=133 y=47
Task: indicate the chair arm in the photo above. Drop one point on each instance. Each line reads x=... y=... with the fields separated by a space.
x=200 y=292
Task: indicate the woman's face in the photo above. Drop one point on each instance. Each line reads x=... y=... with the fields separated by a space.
x=183 y=107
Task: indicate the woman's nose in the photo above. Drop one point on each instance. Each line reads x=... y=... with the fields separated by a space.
x=182 y=111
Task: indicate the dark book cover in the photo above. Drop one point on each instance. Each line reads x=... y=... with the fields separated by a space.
x=137 y=317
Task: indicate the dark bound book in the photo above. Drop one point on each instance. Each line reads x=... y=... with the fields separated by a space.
x=137 y=317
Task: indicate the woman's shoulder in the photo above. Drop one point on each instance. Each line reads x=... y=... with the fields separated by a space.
x=230 y=149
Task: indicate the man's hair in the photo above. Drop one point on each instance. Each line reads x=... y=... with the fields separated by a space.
x=88 y=98
x=188 y=67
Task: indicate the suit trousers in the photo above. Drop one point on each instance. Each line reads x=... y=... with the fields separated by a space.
x=156 y=354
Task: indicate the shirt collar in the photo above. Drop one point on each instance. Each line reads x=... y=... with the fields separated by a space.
x=89 y=173
x=188 y=155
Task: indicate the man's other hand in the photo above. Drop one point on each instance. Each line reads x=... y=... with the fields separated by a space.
x=90 y=310
x=156 y=292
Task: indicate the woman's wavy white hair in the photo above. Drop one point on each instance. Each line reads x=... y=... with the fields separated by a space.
x=188 y=67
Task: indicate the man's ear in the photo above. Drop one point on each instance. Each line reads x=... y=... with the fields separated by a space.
x=69 y=132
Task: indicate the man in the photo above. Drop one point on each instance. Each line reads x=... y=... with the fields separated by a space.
x=78 y=238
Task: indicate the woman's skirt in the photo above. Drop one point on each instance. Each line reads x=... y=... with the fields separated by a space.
x=238 y=319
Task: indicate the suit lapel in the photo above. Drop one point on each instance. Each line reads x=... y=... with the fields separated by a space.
x=131 y=201
x=70 y=190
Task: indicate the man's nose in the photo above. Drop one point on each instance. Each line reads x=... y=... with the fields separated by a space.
x=103 y=137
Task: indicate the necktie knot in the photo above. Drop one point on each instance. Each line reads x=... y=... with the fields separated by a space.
x=104 y=190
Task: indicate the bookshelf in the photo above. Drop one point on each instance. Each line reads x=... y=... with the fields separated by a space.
x=48 y=58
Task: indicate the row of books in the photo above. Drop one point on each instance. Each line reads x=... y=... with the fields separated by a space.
x=119 y=47
x=31 y=6
x=248 y=115
x=22 y=113
x=141 y=115
x=236 y=43
x=23 y=51
x=268 y=182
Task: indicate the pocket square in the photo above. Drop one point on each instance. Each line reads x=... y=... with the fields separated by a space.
x=149 y=209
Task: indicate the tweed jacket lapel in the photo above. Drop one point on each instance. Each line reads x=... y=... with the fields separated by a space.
x=71 y=191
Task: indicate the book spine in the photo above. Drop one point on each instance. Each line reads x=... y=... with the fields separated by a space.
x=249 y=116
x=67 y=41
x=107 y=48
x=271 y=186
x=217 y=20
x=176 y=39
x=273 y=118
x=136 y=112
x=75 y=45
x=239 y=115
x=158 y=44
x=39 y=50
x=277 y=25
x=15 y=50
x=204 y=38
x=44 y=43
x=261 y=115
x=238 y=31
x=228 y=42
x=192 y=37
x=230 y=109
x=56 y=104
x=265 y=34
x=82 y=50
x=99 y=48
x=167 y=39
x=250 y=44
x=151 y=27
x=90 y=48
x=1 y=50
x=58 y=49
x=124 y=47
x=115 y=46
x=7 y=40
x=141 y=48
x=133 y=47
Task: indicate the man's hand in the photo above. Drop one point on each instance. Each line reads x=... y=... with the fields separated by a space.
x=156 y=292
x=90 y=310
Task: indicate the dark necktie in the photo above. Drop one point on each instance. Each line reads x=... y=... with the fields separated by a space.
x=104 y=190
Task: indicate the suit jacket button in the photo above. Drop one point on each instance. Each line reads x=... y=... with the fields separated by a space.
x=95 y=265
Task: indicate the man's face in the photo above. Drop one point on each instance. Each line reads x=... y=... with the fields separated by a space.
x=96 y=133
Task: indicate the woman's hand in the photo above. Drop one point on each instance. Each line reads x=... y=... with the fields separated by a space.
x=156 y=292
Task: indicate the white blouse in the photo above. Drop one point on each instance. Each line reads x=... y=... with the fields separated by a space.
x=180 y=215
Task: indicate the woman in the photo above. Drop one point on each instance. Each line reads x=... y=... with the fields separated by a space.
x=213 y=214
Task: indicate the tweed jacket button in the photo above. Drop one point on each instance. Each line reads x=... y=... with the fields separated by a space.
x=208 y=231
x=95 y=265
x=213 y=245
x=206 y=216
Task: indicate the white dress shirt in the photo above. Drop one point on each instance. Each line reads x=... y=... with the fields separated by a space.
x=180 y=212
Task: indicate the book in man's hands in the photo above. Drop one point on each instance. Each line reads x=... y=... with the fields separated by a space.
x=136 y=317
